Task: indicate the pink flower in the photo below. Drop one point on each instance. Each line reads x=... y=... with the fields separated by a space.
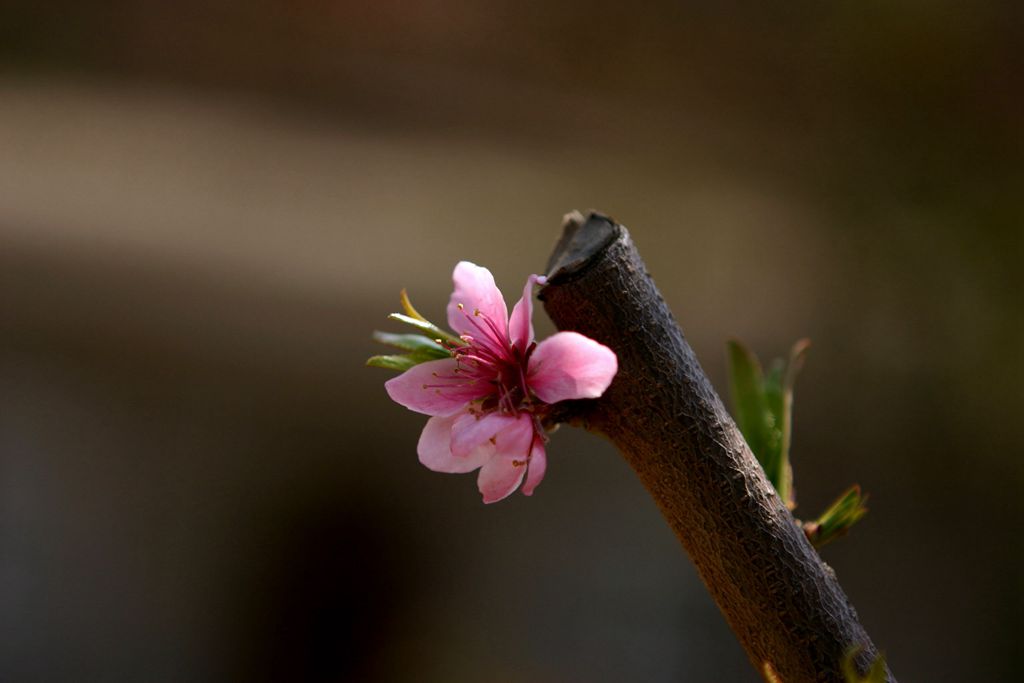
x=486 y=401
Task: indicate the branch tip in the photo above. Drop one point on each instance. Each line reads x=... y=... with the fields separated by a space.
x=583 y=238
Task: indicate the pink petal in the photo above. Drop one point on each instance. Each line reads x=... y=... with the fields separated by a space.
x=432 y=388
x=503 y=473
x=476 y=291
x=435 y=450
x=473 y=431
x=568 y=365
x=538 y=466
x=520 y=325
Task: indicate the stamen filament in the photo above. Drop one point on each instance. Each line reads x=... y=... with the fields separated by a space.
x=489 y=336
x=492 y=325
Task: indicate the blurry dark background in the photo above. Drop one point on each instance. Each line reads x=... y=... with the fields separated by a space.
x=206 y=207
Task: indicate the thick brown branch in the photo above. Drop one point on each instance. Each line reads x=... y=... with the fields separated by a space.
x=781 y=600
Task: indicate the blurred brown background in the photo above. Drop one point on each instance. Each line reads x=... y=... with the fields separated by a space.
x=206 y=207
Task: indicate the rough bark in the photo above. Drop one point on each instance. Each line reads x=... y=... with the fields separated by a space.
x=781 y=600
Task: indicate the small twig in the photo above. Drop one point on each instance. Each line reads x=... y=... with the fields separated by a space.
x=781 y=600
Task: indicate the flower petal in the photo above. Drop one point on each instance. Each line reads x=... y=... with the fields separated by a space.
x=520 y=324
x=432 y=388
x=434 y=448
x=476 y=291
x=538 y=466
x=568 y=365
x=473 y=431
x=503 y=473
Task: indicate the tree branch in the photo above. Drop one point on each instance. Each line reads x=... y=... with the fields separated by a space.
x=784 y=604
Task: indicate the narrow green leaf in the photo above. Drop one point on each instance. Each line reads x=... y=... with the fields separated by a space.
x=432 y=330
x=408 y=307
x=746 y=387
x=841 y=515
x=412 y=342
x=400 y=363
x=763 y=407
x=797 y=356
x=776 y=459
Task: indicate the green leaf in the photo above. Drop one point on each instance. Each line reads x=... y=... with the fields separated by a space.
x=408 y=307
x=784 y=420
x=431 y=343
x=797 y=356
x=746 y=386
x=413 y=342
x=776 y=457
x=432 y=330
x=404 y=361
x=843 y=513
x=400 y=362
x=759 y=408
x=763 y=407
